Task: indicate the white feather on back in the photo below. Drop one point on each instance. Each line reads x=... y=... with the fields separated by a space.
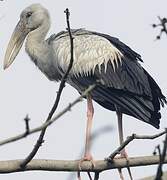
x=89 y=51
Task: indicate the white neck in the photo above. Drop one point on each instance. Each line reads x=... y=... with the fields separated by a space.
x=38 y=35
x=36 y=47
x=39 y=51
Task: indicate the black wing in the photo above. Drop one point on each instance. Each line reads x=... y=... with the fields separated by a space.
x=129 y=86
x=126 y=50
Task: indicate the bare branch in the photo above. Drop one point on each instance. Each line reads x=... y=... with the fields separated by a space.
x=131 y=138
x=12 y=166
x=162 y=158
x=162 y=25
x=51 y=121
x=27 y=119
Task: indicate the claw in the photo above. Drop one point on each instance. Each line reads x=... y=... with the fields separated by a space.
x=86 y=158
x=123 y=154
x=78 y=175
x=120 y=174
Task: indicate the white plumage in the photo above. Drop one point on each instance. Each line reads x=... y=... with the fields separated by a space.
x=89 y=51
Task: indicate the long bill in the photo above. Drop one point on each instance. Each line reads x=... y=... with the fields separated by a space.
x=15 y=44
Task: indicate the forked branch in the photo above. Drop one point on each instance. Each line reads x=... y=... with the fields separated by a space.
x=131 y=138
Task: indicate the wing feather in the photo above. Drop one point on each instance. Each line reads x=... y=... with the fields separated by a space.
x=89 y=51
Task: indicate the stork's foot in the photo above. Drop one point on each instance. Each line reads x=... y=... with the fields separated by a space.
x=78 y=175
x=87 y=157
x=123 y=154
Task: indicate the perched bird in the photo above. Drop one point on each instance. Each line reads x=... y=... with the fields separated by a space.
x=123 y=84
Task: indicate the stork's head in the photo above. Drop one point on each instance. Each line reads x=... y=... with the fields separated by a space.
x=31 y=19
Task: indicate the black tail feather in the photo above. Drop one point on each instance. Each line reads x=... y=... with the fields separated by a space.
x=133 y=105
x=158 y=97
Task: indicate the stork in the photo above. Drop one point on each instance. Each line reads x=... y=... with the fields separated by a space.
x=123 y=85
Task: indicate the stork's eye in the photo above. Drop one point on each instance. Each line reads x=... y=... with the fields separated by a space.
x=28 y=14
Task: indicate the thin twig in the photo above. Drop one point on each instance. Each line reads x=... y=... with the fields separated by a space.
x=162 y=24
x=12 y=166
x=62 y=84
x=131 y=138
x=162 y=158
x=27 y=127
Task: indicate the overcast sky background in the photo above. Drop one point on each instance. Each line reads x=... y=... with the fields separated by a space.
x=25 y=90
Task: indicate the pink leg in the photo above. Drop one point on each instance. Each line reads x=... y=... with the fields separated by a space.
x=90 y=112
x=87 y=154
x=123 y=152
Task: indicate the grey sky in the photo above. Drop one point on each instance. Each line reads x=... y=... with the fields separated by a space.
x=24 y=89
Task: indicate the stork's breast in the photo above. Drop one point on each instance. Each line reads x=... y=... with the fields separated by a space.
x=89 y=51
